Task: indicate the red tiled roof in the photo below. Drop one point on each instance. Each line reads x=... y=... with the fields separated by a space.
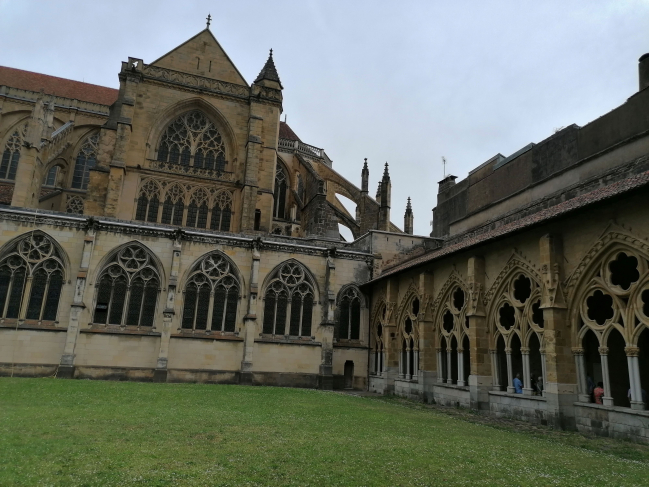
x=285 y=132
x=28 y=80
x=467 y=240
x=6 y=193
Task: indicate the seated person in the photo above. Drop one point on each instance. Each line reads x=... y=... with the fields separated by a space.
x=598 y=392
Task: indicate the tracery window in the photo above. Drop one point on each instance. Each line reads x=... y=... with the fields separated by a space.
x=377 y=339
x=516 y=321
x=148 y=202
x=11 y=154
x=211 y=295
x=86 y=160
x=192 y=139
x=453 y=355
x=51 y=176
x=408 y=335
x=31 y=279
x=281 y=183
x=222 y=211
x=74 y=204
x=349 y=314
x=197 y=210
x=174 y=205
x=127 y=289
x=288 y=302
x=611 y=312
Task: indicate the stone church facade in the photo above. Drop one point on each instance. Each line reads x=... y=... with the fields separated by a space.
x=176 y=230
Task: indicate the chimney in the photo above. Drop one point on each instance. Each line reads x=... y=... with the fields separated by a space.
x=643 y=71
x=446 y=183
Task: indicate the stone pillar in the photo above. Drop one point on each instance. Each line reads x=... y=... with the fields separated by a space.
x=527 y=377
x=426 y=361
x=543 y=370
x=580 y=366
x=440 y=368
x=66 y=365
x=561 y=377
x=250 y=319
x=481 y=374
x=95 y=201
x=495 y=369
x=607 y=399
x=328 y=307
x=634 y=377
x=408 y=371
x=460 y=367
x=449 y=368
x=510 y=373
x=392 y=343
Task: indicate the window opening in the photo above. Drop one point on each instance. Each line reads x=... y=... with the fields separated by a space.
x=86 y=160
x=11 y=154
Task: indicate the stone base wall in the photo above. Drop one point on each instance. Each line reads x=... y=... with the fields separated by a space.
x=377 y=384
x=408 y=388
x=450 y=395
x=517 y=406
x=616 y=422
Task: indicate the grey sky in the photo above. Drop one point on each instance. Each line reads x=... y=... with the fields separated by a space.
x=405 y=82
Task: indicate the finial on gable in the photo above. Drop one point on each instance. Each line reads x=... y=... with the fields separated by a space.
x=209 y=20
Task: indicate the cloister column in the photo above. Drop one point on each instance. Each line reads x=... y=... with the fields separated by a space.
x=426 y=360
x=607 y=399
x=510 y=372
x=440 y=368
x=481 y=374
x=169 y=312
x=527 y=379
x=392 y=343
x=560 y=373
x=460 y=367
x=250 y=319
x=495 y=369
x=449 y=368
x=580 y=366
x=66 y=365
x=408 y=371
x=634 y=377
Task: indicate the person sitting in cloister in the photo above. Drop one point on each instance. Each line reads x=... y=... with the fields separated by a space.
x=598 y=392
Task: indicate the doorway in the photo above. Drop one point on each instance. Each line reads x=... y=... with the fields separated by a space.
x=349 y=374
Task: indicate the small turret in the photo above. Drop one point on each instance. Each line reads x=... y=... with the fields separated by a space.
x=365 y=177
x=408 y=219
x=268 y=75
x=386 y=195
x=378 y=194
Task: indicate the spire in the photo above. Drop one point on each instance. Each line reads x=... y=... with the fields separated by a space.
x=386 y=174
x=365 y=176
x=378 y=194
x=385 y=202
x=269 y=72
x=408 y=219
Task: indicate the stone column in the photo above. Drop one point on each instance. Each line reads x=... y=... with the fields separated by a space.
x=510 y=373
x=543 y=370
x=607 y=399
x=527 y=378
x=580 y=366
x=169 y=312
x=440 y=368
x=481 y=375
x=328 y=307
x=561 y=376
x=460 y=367
x=634 y=377
x=392 y=343
x=449 y=368
x=66 y=365
x=408 y=371
x=250 y=319
x=495 y=369
x=415 y=362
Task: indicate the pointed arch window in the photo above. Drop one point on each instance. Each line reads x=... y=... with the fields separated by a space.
x=211 y=296
x=377 y=339
x=349 y=315
x=281 y=184
x=288 y=302
x=197 y=209
x=85 y=161
x=222 y=211
x=408 y=333
x=31 y=279
x=11 y=154
x=148 y=202
x=174 y=205
x=127 y=289
x=192 y=139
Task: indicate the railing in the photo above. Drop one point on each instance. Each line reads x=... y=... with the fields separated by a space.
x=204 y=172
x=304 y=149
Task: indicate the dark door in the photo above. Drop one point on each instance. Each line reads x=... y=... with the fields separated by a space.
x=349 y=374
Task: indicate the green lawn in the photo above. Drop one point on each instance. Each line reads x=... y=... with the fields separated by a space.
x=62 y=432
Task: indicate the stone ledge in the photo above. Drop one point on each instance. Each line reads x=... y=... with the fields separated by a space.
x=350 y=345
x=453 y=387
x=613 y=409
x=517 y=396
x=225 y=338
x=121 y=332
x=32 y=327
x=288 y=342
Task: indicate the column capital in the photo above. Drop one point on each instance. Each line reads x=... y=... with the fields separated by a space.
x=508 y=350
x=525 y=350
x=577 y=351
x=632 y=351
x=603 y=350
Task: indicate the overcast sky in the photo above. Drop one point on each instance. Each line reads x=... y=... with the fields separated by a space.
x=404 y=82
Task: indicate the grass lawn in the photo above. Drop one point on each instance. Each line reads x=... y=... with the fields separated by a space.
x=66 y=432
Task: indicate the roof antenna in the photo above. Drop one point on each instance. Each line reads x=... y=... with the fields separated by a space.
x=444 y=164
x=209 y=20
x=285 y=117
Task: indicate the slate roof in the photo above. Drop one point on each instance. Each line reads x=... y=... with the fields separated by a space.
x=467 y=240
x=285 y=132
x=269 y=71
x=52 y=85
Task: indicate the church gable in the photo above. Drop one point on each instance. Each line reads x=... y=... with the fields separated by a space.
x=202 y=55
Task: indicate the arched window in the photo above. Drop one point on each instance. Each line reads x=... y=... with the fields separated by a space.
x=127 y=289
x=349 y=319
x=222 y=211
x=148 y=202
x=192 y=139
x=377 y=339
x=197 y=209
x=31 y=278
x=74 y=204
x=211 y=296
x=174 y=205
x=11 y=154
x=51 y=176
x=281 y=183
x=86 y=160
x=289 y=298
x=409 y=339
x=453 y=329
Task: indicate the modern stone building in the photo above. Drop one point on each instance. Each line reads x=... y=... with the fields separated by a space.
x=176 y=230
